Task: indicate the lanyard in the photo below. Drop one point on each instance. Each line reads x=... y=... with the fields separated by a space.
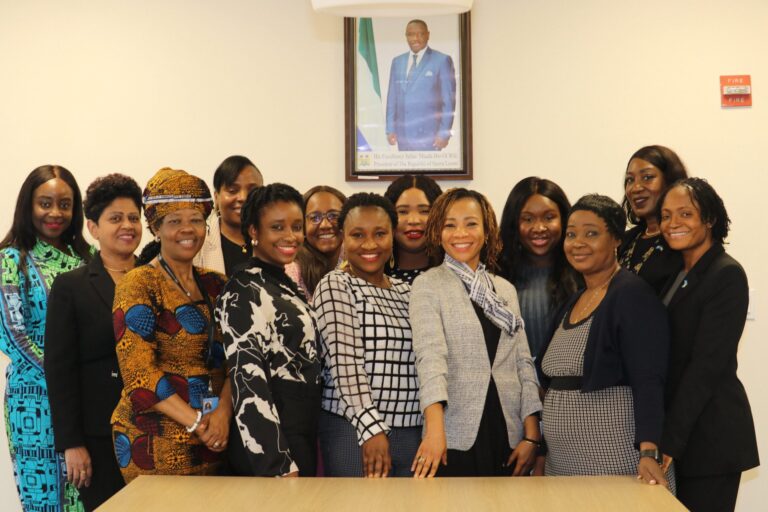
x=208 y=305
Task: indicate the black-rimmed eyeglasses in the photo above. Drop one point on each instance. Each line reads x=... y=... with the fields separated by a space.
x=317 y=217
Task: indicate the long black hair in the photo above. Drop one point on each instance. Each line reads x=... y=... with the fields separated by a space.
x=561 y=282
x=23 y=234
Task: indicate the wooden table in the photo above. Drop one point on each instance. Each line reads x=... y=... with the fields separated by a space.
x=542 y=494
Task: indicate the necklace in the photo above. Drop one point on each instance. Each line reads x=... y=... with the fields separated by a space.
x=595 y=292
x=121 y=270
x=626 y=259
x=169 y=271
x=651 y=234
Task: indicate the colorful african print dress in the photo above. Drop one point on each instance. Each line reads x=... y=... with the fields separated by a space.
x=162 y=349
x=39 y=470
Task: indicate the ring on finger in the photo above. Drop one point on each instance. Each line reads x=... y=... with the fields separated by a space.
x=421 y=459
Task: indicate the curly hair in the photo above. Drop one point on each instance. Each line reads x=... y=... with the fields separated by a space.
x=491 y=249
x=261 y=197
x=710 y=205
x=363 y=199
x=105 y=189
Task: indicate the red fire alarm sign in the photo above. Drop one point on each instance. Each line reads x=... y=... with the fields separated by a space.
x=735 y=91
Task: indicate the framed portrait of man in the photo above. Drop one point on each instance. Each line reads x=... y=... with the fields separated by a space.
x=408 y=97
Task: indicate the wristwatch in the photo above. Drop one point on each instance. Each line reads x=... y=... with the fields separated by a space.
x=655 y=454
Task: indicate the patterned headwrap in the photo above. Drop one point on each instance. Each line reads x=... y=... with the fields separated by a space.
x=170 y=190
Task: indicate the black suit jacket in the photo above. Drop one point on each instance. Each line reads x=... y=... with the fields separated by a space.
x=708 y=426
x=81 y=367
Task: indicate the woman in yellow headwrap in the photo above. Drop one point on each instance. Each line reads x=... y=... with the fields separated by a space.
x=174 y=412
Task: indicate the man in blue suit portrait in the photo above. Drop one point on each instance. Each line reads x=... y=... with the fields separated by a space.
x=421 y=99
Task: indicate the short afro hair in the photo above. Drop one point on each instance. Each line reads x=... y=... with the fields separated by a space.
x=105 y=189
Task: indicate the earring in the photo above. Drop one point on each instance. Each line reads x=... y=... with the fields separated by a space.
x=392 y=261
x=157 y=238
x=254 y=242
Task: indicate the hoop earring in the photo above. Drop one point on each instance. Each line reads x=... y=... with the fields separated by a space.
x=392 y=262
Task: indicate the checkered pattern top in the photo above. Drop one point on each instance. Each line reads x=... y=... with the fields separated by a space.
x=368 y=361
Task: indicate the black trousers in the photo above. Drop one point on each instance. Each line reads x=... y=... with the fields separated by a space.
x=106 y=479
x=709 y=493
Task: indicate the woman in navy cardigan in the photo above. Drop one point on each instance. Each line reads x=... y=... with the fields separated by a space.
x=708 y=429
x=606 y=362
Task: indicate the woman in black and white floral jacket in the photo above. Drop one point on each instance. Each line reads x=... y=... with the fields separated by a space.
x=269 y=338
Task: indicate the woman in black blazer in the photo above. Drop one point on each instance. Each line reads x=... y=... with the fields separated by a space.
x=708 y=429
x=81 y=368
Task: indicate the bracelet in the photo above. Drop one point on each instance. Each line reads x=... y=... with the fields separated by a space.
x=196 y=424
x=535 y=443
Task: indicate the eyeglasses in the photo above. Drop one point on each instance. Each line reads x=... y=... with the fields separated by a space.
x=317 y=217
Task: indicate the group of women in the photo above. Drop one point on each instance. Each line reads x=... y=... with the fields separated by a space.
x=408 y=334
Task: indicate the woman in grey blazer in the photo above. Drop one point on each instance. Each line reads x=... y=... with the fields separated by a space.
x=478 y=387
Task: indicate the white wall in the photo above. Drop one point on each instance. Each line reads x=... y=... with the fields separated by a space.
x=565 y=90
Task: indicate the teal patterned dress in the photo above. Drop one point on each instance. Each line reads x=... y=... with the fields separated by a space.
x=39 y=470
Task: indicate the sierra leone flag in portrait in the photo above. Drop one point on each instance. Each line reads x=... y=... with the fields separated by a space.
x=371 y=121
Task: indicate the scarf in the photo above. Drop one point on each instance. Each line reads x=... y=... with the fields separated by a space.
x=480 y=289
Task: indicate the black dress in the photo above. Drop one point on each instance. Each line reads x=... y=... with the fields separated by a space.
x=406 y=275
x=235 y=255
x=270 y=338
x=488 y=456
x=650 y=258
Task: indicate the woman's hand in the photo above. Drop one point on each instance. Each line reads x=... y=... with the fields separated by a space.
x=666 y=462
x=376 y=459
x=539 y=465
x=523 y=457
x=215 y=430
x=432 y=451
x=433 y=448
x=649 y=471
x=79 y=471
